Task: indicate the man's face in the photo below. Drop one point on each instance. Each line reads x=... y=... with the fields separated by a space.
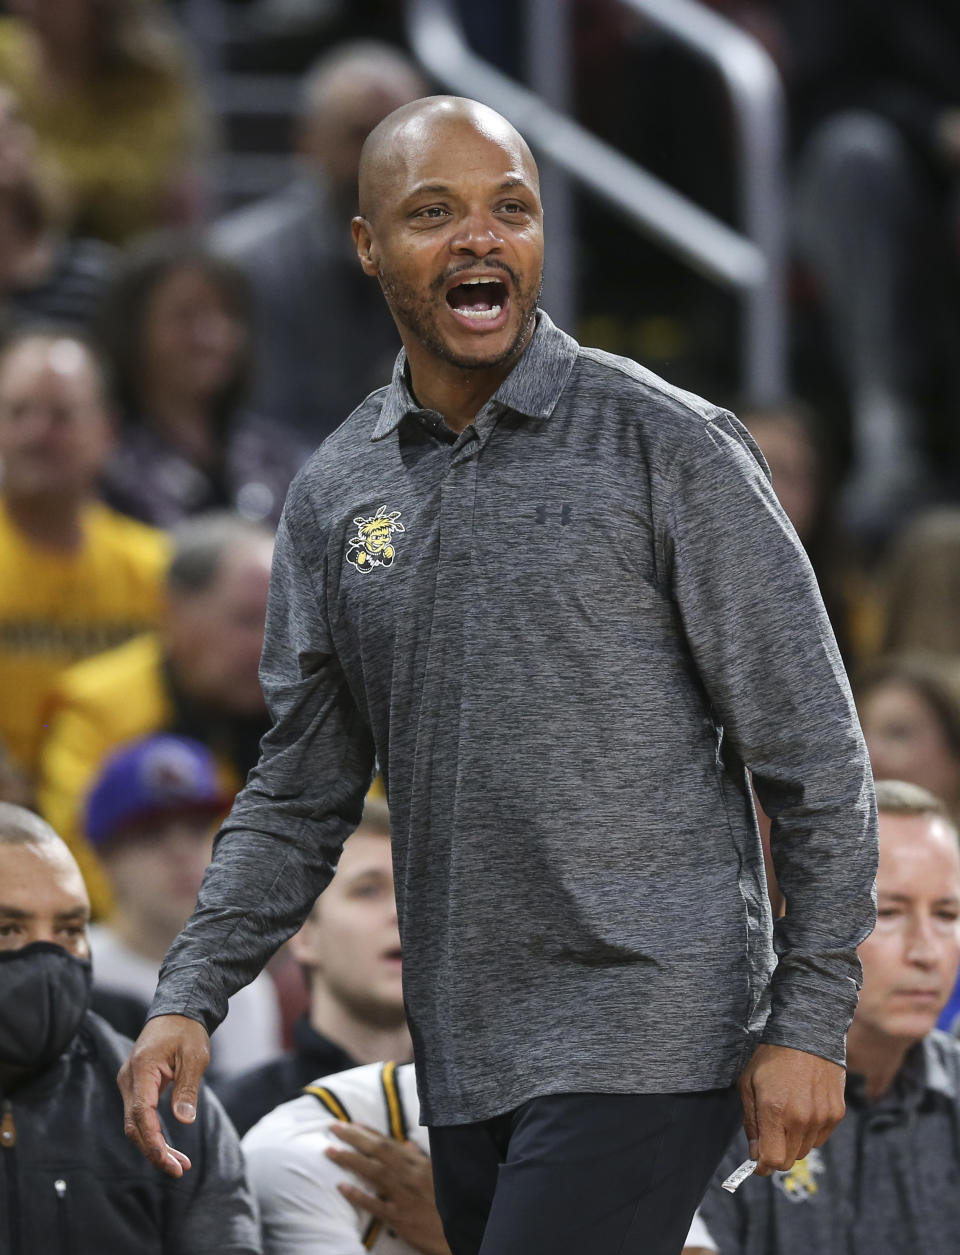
x=156 y=868
x=350 y=943
x=216 y=635
x=55 y=433
x=910 y=960
x=42 y=898
x=457 y=244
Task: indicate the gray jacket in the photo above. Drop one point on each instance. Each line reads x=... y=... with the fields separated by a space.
x=563 y=634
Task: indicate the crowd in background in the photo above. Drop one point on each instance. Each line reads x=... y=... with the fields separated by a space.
x=168 y=361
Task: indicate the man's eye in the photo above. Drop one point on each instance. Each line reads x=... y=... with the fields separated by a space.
x=431 y=211
x=9 y=930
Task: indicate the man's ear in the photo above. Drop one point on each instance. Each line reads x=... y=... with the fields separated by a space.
x=366 y=246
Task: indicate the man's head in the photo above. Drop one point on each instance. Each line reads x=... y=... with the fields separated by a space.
x=350 y=946
x=151 y=815
x=451 y=225
x=217 y=602
x=56 y=431
x=910 y=960
x=42 y=894
x=345 y=94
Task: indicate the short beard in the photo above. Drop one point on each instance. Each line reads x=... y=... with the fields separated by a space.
x=415 y=315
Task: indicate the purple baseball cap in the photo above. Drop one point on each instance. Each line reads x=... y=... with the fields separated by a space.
x=158 y=775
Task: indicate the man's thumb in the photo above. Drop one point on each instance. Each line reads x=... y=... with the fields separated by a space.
x=185 y=1092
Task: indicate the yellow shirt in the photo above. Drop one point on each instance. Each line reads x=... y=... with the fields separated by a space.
x=57 y=608
x=118 y=143
x=99 y=705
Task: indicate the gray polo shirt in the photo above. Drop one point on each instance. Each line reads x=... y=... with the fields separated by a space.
x=562 y=632
x=886 y=1183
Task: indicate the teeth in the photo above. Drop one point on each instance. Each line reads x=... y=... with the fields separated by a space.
x=470 y=282
x=481 y=314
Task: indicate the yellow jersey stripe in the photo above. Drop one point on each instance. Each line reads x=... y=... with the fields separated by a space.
x=395 y=1116
x=329 y=1100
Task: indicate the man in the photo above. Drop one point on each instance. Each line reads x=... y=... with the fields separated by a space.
x=71 y=1180
x=196 y=676
x=344 y=1168
x=151 y=816
x=558 y=602
x=886 y=1180
x=310 y=298
x=75 y=577
x=349 y=950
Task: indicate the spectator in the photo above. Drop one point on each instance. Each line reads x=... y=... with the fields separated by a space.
x=324 y=338
x=318 y=1196
x=909 y=708
x=108 y=87
x=72 y=1179
x=197 y=676
x=176 y=330
x=75 y=577
x=886 y=1179
x=44 y=275
x=920 y=591
x=349 y=950
x=151 y=816
x=875 y=90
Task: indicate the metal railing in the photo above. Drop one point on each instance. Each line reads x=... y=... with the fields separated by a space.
x=751 y=263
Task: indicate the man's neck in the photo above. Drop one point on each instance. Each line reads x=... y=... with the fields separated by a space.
x=363 y=1041
x=53 y=522
x=877 y=1058
x=456 y=392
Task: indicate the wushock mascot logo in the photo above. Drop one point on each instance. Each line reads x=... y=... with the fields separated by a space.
x=372 y=543
x=799 y=1184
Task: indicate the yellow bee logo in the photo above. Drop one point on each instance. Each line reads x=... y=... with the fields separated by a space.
x=372 y=543
x=800 y=1183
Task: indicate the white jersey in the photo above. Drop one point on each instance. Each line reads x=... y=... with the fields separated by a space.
x=251 y=1033
x=302 y=1211
x=699 y=1238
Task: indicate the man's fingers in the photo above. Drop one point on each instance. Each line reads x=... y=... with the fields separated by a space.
x=379 y=1207
x=362 y=1165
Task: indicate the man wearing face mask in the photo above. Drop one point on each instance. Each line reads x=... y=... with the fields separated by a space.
x=71 y=1181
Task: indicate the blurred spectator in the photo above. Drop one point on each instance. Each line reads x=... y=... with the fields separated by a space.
x=151 y=816
x=910 y=713
x=197 y=676
x=349 y=950
x=109 y=89
x=176 y=330
x=44 y=275
x=72 y=1181
x=886 y=1179
x=75 y=578
x=328 y=1187
x=920 y=590
x=324 y=336
x=875 y=89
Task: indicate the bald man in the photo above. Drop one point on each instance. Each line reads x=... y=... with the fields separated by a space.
x=557 y=601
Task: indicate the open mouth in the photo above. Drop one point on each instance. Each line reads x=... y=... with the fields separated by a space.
x=479 y=300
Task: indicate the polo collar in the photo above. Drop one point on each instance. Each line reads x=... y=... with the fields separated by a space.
x=532 y=388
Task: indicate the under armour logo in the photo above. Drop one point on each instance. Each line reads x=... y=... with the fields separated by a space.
x=566 y=513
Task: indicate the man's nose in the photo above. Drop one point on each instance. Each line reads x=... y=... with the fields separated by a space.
x=921 y=943
x=478 y=233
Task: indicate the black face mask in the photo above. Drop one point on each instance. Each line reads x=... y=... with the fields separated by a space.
x=44 y=994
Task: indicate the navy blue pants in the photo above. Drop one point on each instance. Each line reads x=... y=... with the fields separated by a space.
x=581 y=1174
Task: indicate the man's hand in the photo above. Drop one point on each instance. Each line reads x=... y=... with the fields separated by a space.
x=170 y=1048
x=792 y=1101
x=401 y=1175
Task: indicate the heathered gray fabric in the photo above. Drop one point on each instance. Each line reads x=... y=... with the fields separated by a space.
x=596 y=612
x=885 y=1183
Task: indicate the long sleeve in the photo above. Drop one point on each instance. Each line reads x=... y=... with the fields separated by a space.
x=765 y=652
x=280 y=844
